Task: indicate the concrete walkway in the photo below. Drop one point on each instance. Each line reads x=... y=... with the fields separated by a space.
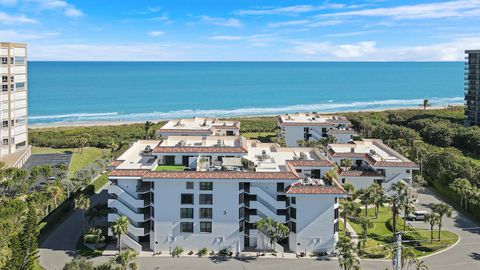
x=353 y=234
x=59 y=247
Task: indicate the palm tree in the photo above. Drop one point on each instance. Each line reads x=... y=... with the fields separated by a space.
x=378 y=197
x=408 y=208
x=82 y=141
x=274 y=230
x=348 y=209
x=426 y=103
x=82 y=203
x=365 y=223
x=442 y=210
x=56 y=193
x=94 y=234
x=331 y=176
x=124 y=259
x=350 y=189
x=346 y=163
x=400 y=190
x=431 y=219
x=420 y=265
x=146 y=127
x=365 y=195
x=408 y=257
x=346 y=254
x=119 y=227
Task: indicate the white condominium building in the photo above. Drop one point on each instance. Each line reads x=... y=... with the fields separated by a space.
x=199 y=126
x=372 y=162
x=14 y=149
x=208 y=192
x=313 y=126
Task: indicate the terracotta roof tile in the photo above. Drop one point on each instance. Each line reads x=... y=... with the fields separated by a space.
x=315 y=190
x=198 y=149
x=129 y=172
x=220 y=175
x=310 y=163
x=360 y=174
x=116 y=162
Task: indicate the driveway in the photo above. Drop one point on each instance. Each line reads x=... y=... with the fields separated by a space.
x=59 y=247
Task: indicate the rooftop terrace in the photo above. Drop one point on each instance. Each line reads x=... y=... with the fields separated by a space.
x=311 y=118
x=199 y=123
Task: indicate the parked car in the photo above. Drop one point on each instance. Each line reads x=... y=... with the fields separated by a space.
x=417 y=215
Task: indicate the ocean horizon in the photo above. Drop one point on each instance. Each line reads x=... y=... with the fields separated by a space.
x=67 y=92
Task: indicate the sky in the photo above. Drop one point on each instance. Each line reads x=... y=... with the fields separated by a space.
x=242 y=30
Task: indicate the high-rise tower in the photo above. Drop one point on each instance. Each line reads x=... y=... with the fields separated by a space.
x=472 y=88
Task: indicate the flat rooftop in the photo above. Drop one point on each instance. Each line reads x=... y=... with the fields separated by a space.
x=134 y=157
x=374 y=150
x=199 y=123
x=311 y=118
x=202 y=141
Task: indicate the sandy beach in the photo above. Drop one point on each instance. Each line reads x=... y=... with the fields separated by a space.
x=117 y=123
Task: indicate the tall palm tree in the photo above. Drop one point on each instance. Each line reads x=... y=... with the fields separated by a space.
x=431 y=219
x=348 y=209
x=119 y=227
x=56 y=193
x=442 y=210
x=408 y=208
x=365 y=195
x=346 y=164
x=365 y=223
x=82 y=203
x=350 y=189
x=346 y=255
x=378 y=197
x=400 y=190
x=146 y=127
x=426 y=103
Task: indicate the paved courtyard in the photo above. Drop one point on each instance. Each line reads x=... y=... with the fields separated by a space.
x=58 y=249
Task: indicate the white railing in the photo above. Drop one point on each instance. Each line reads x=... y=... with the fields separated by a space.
x=266 y=212
x=263 y=195
x=127 y=241
x=135 y=231
x=126 y=197
x=123 y=210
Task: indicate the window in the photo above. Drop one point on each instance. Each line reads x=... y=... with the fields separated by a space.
x=206 y=185
x=20 y=86
x=186 y=212
x=189 y=185
x=343 y=180
x=205 y=199
x=4 y=88
x=5 y=141
x=241 y=226
x=19 y=60
x=12 y=79
x=298 y=170
x=293 y=227
x=293 y=213
x=12 y=61
x=187 y=198
x=280 y=187
x=205 y=212
x=4 y=60
x=293 y=200
x=206 y=227
x=4 y=79
x=186 y=227
x=5 y=123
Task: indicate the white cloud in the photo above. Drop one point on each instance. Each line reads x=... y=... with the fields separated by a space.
x=105 y=52
x=352 y=34
x=452 y=9
x=229 y=22
x=156 y=33
x=13 y=35
x=288 y=23
x=162 y=19
x=227 y=38
x=289 y=10
x=369 y=51
x=73 y=12
x=12 y=19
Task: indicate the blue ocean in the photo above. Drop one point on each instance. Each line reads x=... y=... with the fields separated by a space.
x=139 y=91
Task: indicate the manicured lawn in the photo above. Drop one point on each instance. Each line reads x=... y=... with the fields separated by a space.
x=170 y=168
x=79 y=160
x=415 y=238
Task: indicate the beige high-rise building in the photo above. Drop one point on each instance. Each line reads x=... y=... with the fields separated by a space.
x=14 y=148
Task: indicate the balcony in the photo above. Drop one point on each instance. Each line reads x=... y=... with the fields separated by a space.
x=132 y=229
x=123 y=210
x=125 y=197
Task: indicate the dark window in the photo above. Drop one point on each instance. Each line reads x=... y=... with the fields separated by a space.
x=186 y=212
x=315 y=174
x=206 y=227
x=241 y=198
x=241 y=226
x=5 y=123
x=206 y=185
x=293 y=213
x=240 y=185
x=186 y=227
x=336 y=213
x=230 y=133
x=205 y=199
x=293 y=227
x=4 y=79
x=343 y=180
x=241 y=212
x=281 y=198
x=293 y=200
x=205 y=212
x=185 y=160
x=169 y=160
x=305 y=129
x=298 y=170
x=280 y=187
x=187 y=198
x=189 y=185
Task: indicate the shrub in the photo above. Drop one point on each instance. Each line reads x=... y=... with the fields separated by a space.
x=224 y=252
x=374 y=250
x=203 y=252
x=177 y=251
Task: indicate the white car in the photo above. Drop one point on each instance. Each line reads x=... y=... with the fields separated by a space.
x=417 y=215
